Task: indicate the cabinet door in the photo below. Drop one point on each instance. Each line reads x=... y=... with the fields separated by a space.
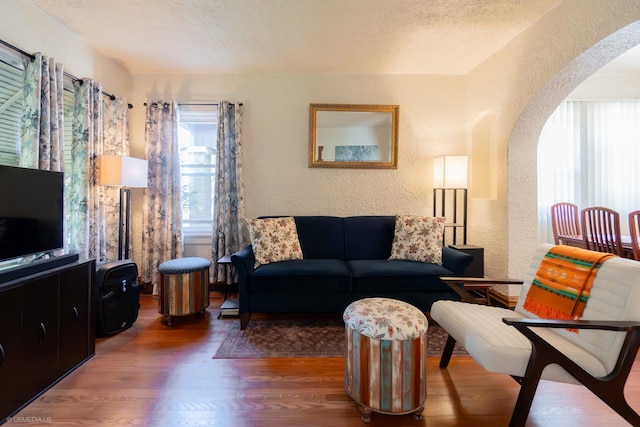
x=40 y=331
x=75 y=316
x=12 y=388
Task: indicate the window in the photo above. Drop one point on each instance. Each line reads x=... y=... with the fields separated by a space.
x=587 y=155
x=11 y=82
x=197 y=140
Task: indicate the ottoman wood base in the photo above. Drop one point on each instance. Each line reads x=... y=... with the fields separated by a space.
x=385 y=374
x=183 y=291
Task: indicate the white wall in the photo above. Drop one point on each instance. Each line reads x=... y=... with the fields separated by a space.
x=496 y=112
x=28 y=28
x=607 y=86
x=521 y=85
x=276 y=137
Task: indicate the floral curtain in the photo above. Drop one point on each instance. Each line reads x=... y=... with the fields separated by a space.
x=162 y=209
x=99 y=127
x=228 y=216
x=116 y=142
x=87 y=233
x=42 y=141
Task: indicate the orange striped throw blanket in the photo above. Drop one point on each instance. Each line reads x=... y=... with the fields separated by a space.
x=562 y=284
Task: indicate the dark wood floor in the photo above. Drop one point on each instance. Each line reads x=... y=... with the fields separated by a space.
x=154 y=375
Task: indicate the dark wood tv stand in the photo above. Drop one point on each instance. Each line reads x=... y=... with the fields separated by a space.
x=47 y=330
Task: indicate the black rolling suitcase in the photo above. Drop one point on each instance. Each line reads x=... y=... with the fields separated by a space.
x=118 y=296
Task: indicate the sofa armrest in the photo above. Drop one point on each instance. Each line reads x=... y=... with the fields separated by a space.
x=243 y=261
x=456 y=261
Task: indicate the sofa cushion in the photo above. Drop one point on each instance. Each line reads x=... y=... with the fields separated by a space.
x=274 y=239
x=418 y=238
x=397 y=275
x=321 y=236
x=368 y=237
x=314 y=275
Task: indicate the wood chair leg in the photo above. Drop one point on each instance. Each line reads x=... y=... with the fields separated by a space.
x=528 y=386
x=618 y=403
x=447 y=352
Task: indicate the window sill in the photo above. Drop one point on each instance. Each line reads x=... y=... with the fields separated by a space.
x=197 y=239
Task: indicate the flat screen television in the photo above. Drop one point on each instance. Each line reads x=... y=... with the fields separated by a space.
x=31 y=211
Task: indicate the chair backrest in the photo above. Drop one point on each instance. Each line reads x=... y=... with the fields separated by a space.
x=564 y=220
x=601 y=230
x=615 y=295
x=634 y=229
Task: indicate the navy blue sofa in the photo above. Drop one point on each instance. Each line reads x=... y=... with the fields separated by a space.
x=345 y=259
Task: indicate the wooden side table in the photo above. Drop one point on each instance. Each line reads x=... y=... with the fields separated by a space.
x=476 y=269
x=477 y=289
x=230 y=306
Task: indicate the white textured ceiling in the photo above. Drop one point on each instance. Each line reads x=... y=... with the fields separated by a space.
x=297 y=36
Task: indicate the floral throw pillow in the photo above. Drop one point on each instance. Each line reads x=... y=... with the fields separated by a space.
x=418 y=238
x=274 y=239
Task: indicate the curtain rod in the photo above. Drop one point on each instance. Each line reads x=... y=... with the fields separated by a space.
x=105 y=93
x=194 y=103
x=17 y=49
x=204 y=103
x=71 y=76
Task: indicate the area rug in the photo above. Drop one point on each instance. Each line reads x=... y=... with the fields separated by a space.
x=303 y=338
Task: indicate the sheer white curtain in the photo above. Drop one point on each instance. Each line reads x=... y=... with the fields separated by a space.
x=588 y=154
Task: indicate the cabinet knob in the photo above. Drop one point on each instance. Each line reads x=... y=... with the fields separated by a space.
x=76 y=317
x=43 y=330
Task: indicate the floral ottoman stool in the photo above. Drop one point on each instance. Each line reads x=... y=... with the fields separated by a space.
x=184 y=287
x=385 y=367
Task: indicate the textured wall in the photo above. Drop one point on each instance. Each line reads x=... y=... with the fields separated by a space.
x=517 y=88
x=522 y=84
x=276 y=126
x=28 y=28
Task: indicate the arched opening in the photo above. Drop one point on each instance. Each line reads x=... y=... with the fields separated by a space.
x=522 y=154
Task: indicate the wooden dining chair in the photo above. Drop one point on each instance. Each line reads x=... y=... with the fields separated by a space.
x=565 y=221
x=634 y=229
x=601 y=230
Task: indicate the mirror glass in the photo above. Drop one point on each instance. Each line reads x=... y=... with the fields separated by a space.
x=353 y=136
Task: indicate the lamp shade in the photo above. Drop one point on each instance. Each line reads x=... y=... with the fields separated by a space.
x=450 y=172
x=123 y=170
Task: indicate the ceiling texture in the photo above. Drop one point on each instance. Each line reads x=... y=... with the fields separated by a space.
x=297 y=36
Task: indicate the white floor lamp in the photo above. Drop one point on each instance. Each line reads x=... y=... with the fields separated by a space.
x=450 y=175
x=125 y=172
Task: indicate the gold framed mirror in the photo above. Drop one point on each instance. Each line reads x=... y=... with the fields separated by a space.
x=353 y=136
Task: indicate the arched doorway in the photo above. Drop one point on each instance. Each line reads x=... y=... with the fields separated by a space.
x=522 y=179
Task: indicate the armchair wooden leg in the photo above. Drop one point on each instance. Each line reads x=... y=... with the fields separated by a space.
x=618 y=403
x=447 y=352
x=528 y=388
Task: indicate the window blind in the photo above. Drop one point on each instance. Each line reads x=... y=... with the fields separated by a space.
x=11 y=82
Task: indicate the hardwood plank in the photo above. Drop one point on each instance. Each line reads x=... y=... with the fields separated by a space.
x=155 y=375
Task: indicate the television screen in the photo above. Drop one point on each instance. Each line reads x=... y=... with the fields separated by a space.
x=31 y=211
